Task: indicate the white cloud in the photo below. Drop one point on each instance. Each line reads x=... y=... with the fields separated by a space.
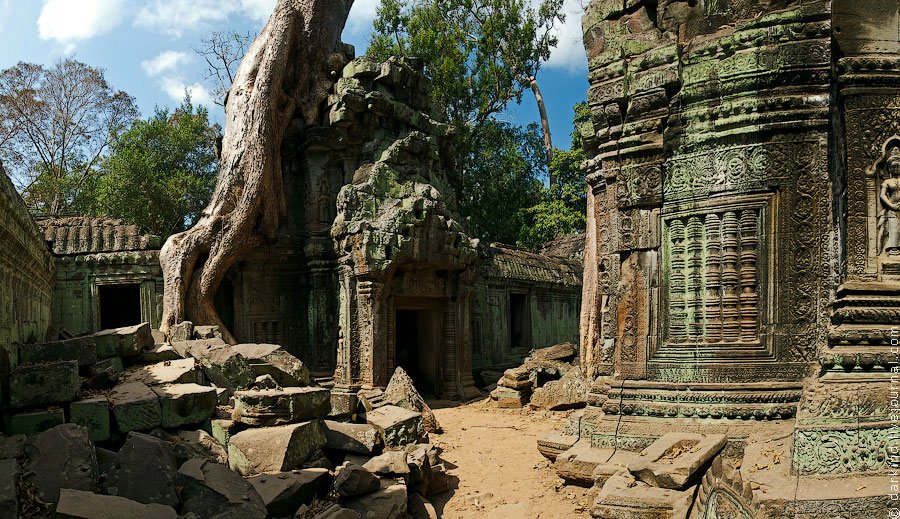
x=173 y=17
x=175 y=87
x=362 y=14
x=67 y=21
x=258 y=9
x=569 y=52
x=165 y=61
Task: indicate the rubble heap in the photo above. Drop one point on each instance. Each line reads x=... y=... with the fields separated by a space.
x=186 y=425
x=549 y=378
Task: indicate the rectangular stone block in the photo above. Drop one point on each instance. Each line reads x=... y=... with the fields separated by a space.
x=222 y=430
x=128 y=341
x=110 y=365
x=181 y=371
x=43 y=384
x=622 y=496
x=398 y=426
x=80 y=349
x=351 y=437
x=196 y=348
x=673 y=461
x=159 y=353
x=33 y=422
x=281 y=406
x=273 y=360
x=182 y=404
x=80 y=504
x=284 y=492
x=225 y=367
x=274 y=449
x=92 y=413
x=135 y=407
x=508 y=398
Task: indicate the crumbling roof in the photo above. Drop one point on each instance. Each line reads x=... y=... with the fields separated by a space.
x=85 y=234
x=570 y=246
x=510 y=262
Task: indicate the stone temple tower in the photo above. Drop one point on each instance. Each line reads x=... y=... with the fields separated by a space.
x=742 y=267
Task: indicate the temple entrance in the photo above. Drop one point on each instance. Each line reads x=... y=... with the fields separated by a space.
x=417 y=347
x=519 y=321
x=120 y=305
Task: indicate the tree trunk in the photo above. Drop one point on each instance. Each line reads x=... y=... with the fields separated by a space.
x=545 y=124
x=286 y=73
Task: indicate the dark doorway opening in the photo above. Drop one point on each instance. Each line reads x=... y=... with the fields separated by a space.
x=120 y=305
x=416 y=353
x=519 y=321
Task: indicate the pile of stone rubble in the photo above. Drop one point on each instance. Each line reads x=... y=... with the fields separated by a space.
x=130 y=423
x=549 y=378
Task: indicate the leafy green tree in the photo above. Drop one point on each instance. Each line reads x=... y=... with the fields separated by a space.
x=160 y=174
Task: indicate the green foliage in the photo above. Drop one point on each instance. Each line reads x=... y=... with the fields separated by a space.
x=160 y=174
x=505 y=164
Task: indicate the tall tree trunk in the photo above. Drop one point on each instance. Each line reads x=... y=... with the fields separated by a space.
x=286 y=73
x=545 y=124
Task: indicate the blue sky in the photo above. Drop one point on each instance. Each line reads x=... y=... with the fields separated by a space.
x=145 y=46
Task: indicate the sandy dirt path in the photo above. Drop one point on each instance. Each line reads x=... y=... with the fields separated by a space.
x=501 y=475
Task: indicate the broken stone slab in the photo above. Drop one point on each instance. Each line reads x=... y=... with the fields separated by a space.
x=181 y=371
x=576 y=465
x=343 y=405
x=9 y=484
x=110 y=365
x=183 y=404
x=225 y=368
x=370 y=399
x=197 y=444
x=420 y=508
x=92 y=413
x=78 y=504
x=144 y=471
x=213 y=490
x=128 y=341
x=563 y=352
x=265 y=382
x=135 y=407
x=617 y=464
x=555 y=444
x=284 y=492
x=398 y=426
x=274 y=449
x=61 y=457
x=281 y=406
x=622 y=496
x=351 y=437
x=158 y=336
x=507 y=398
x=207 y=331
x=183 y=331
x=82 y=350
x=386 y=503
x=270 y=359
x=401 y=391
x=159 y=353
x=43 y=384
x=32 y=422
x=420 y=459
x=222 y=429
x=201 y=346
x=673 y=461
x=391 y=463
x=569 y=392
x=354 y=480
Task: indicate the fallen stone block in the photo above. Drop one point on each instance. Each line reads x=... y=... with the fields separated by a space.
x=576 y=465
x=200 y=346
x=62 y=457
x=181 y=371
x=78 y=504
x=110 y=365
x=143 y=471
x=197 y=444
x=270 y=359
x=92 y=413
x=569 y=392
x=222 y=430
x=402 y=392
x=128 y=341
x=207 y=331
x=420 y=459
x=159 y=353
x=226 y=368
x=370 y=399
x=351 y=437
x=158 y=336
x=281 y=406
x=555 y=444
x=391 y=463
x=353 y=481
x=274 y=449
x=334 y=511
x=386 y=503
x=43 y=384
x=183 y=331
x=624 y=497
x=32 y=422
x=507 y=398
x=673 y=461
x=563 y=352
x=265 y=382
x=398 y=426
x=182 y=404
x=9 y=484
x=284 y=492
x=343 y=405
x=82 y=350
x=212 y=490
x=513 y=379
x=135 y=407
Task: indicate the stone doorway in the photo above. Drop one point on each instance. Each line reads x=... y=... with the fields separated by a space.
x=519 y=322
x=416 y=343
x=120 y=305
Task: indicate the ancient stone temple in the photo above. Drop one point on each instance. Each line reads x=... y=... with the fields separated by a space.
x=742 y=256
